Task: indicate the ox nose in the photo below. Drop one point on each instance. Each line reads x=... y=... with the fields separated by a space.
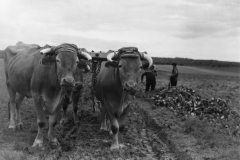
x=130 y=88
x=69 y=81
x=78 y=85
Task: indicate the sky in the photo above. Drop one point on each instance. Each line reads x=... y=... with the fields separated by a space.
x=197 y=29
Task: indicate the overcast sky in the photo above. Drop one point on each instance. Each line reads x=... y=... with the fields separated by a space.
x=198 y=29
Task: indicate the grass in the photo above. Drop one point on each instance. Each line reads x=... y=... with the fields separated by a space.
x=223 y=71
x=208 y=135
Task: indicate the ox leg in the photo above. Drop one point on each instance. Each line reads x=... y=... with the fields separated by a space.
x=81 y=95
x=64 y=115
x=109 y=126
x=122 y=120
x=76 y=97
x=105 y=126
x=115 y=130
x=52 y=123
x=12 y=106
x=40 y=121
x=103 y=120
x=19 y=100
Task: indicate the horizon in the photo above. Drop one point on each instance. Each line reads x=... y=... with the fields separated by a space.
x=196 y=29
x=197 y=59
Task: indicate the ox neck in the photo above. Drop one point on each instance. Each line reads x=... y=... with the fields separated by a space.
x=54 y=77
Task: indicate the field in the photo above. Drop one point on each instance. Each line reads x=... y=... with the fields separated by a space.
x=221 y=71
x=151 y=133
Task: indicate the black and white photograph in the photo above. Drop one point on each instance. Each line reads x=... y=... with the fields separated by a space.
x=119 y=80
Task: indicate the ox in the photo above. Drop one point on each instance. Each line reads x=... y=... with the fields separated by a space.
x=82 y=67
x=45 y=74
x=115 y=88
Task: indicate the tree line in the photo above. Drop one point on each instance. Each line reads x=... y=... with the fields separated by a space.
x=194 y=62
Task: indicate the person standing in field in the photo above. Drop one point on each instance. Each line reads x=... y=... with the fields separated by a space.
x=150 y=74
x=174 y=76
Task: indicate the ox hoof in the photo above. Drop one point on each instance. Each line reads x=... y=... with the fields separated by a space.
x=54 y=142
x=114 y=147
x=12 y=127
x=122 y=146
x=38 y=143
x=63 y=121
x=19 y=126
x=103 y=128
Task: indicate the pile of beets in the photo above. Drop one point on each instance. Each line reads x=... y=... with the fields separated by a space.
x=185 y=102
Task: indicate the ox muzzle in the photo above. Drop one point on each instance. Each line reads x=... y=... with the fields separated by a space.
x=68 y=82
x=130 y=88
x=71 y=84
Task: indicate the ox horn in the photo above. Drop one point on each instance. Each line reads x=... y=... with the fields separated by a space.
x=46 y=50
x=86 y=55
x=112 y=55
x=148 y=58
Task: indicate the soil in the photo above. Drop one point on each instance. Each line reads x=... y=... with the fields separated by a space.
x=151 y=132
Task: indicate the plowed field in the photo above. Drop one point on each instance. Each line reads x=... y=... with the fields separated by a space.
x=151 y=133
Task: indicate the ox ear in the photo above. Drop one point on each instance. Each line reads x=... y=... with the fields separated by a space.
x=112 y=64
x=48 y=56
x=47 y=60
x=82 y=64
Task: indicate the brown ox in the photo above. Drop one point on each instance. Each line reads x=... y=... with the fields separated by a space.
x=47 y=75
x=115 y=86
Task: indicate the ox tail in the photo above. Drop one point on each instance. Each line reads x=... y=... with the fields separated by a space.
x=2 y=54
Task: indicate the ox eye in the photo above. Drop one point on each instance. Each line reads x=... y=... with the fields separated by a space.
x=57 y=60
x=77 y=62
x=120 y=66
